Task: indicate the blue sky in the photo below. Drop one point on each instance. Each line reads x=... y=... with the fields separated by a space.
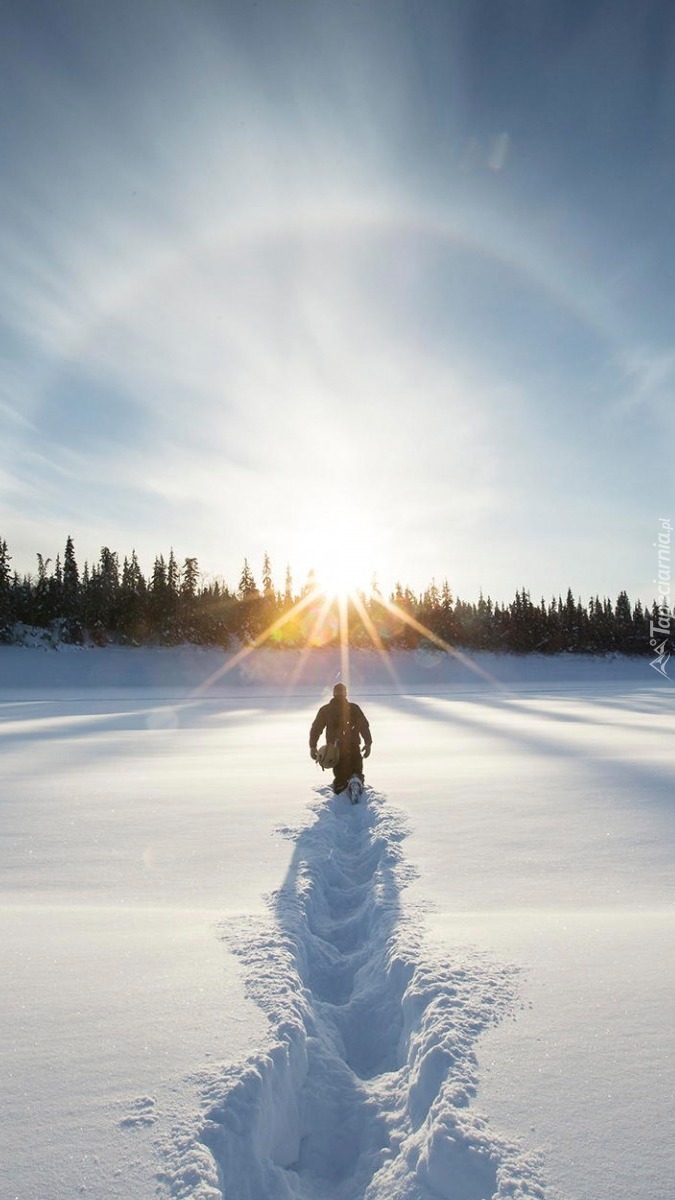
x=281 y=276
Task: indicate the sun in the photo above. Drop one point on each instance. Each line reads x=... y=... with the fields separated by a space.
x=341 y=571
x=340 y=553
x=340 y=583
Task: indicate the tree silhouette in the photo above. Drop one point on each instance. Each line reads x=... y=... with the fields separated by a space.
x=102 y=603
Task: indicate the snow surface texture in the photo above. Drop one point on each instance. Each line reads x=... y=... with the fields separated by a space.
x=169 y=672
x=365 y=1086
x=140 y=798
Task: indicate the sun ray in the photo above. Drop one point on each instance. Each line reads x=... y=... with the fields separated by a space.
x=341 y=601
x=376 y=639
x=315 y=632
x=441 y=643
x=245 y=651
x=343 y=614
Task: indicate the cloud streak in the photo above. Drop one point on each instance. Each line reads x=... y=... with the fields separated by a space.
x=239 y=282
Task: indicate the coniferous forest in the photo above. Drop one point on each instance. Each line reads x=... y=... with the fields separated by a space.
x=114 y=602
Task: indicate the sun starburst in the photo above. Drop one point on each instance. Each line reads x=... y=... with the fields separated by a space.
x=326 y=617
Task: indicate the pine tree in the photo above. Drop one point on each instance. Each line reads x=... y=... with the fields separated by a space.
x=310 y=583
x=623 y=623
x=6 y=606
x=173 y=607
x=172 y=575
x=158 y=581
x=42 y=613
x=133 y=580
x=157 y=598
x=21 y=601
x=55 y=592
x=71 y=581
x=446 y=617
x=190 y=580
x=570 y=622
x=247 y=617
x=188 y=625
x=85 y=596
x=247 y=584
x=640 y=629
x=108 y=577
x=484 y=622
x=133 y=601
x=267 y=582
x=403 y=634
x=171 y=633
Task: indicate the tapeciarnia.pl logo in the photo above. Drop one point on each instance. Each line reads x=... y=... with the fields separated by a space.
x=660 y=628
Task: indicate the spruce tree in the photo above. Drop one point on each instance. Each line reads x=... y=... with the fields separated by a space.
x=6 y=614
x=247 y=584
x=190 y=580
x=623 y=623
x=172 y=575
x=157 y=600
x=107 y=591
x=288 y=587
x=446 y=616
x=133 y=601
x=310 y=583
x=188 y=624
x=640 y=629
x=42 y=613
x=267 y=582
x=171 y=630
x=247 y=616
x=71 y=581
x=21 y=601
x=173 y=607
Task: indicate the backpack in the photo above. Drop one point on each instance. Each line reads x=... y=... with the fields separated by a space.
x=328 y=755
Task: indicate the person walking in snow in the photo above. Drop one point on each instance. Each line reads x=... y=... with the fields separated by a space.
x=345 y=725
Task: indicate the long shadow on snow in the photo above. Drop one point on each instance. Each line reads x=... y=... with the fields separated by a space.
x=37 y=720
x=364 y=1087
x=651 y=783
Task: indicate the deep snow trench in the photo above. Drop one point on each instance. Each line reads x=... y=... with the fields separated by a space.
x=364 y=1088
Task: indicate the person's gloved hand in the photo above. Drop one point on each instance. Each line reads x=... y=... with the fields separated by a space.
x=366 y=751
x=314 y=754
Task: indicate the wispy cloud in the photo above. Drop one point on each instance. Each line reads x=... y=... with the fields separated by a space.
x=650 y=382
x=247 y=268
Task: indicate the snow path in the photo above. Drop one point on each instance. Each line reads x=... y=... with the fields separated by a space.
x=365 y=1086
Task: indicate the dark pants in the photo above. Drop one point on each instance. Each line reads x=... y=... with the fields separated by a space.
x=351 y=763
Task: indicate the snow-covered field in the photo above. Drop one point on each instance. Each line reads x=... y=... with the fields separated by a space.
x=218 y=980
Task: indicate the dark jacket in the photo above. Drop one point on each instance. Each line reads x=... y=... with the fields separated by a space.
x=343 y=721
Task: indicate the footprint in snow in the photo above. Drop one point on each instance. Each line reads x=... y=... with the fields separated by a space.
x=142 y=1114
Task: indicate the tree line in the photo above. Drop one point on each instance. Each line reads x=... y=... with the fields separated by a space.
x=112 y=601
